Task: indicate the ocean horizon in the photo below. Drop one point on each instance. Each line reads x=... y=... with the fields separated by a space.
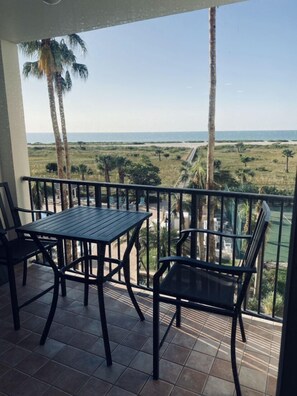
x=157 y=137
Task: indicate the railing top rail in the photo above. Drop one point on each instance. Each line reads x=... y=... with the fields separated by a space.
x=160 y=189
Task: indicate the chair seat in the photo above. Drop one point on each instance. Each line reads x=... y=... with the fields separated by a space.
x=21 y=248
x=200 y=286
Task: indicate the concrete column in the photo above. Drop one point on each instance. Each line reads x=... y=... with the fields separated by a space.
x=14 y=161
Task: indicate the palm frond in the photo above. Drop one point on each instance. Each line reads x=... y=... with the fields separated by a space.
x=81 y=70
x=32 y=69
x=30 y=48
x=76 y=41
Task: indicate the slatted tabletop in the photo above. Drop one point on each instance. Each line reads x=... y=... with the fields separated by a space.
x=87 y=223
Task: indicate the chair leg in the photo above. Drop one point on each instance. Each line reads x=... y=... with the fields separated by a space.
x=241 y=327
x=52 y=310
x=233 y=356
x=104 y=323
x=13 y=297
x=60 y=265
x=25 y=268
x=156 y=336
x=178 y=313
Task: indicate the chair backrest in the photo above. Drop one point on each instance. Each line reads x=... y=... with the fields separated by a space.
x=9 y=217
x=257 y=237
x=252 y=251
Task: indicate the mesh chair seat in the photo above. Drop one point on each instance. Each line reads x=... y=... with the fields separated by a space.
x=21 y=249
x=201 y=286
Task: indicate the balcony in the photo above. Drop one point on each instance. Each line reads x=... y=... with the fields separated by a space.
x=195 y=358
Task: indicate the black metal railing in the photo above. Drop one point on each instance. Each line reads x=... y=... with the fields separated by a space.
x=174 y=209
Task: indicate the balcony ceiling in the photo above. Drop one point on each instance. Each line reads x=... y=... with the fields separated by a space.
x=25 y=20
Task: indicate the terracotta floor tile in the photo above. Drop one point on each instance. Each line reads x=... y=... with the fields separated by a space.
x=70 y=380
x=207 y=345
x=31 y=387
x=156 y=388
x=116 y=391
x=93 y=387
x=32 y=363
x=176 y=354
x=14 y=356
x=192 y=380
x=169 y=371
x=218 y=386
x=252 y=378
x=177 y=391
x=123 y=354
x=222 y=369
x=110 y=373
x=132 y=380
x=52 y=391
x=200 y=361
x=78 y=359
x=11 y=380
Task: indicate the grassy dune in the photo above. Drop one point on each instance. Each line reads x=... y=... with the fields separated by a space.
x=40 y=155
x=268 y=164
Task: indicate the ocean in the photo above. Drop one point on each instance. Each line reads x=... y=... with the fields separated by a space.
x=157 y=137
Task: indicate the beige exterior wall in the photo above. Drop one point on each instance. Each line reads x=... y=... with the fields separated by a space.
x=14 y=162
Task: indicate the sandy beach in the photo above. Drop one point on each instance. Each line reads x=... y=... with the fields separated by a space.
x=201 y=144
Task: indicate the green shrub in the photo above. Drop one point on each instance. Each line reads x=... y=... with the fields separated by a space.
x=267 y=304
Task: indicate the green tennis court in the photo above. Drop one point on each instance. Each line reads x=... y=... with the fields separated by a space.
x=275 y=232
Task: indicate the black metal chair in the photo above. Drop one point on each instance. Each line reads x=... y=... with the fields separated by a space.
x=16 y=248
x=206 y=286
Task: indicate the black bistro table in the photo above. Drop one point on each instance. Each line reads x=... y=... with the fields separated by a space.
x=88 y=225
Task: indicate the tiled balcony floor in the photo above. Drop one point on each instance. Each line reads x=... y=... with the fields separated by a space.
x=195 y=359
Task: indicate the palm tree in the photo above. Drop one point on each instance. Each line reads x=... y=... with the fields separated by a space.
x=212 y=98
x=82 y=169
x=287 y=153
x=158 y=152
x=53 y=59
x=105 y=164
x=211 y=123
x=66 y=59
x=121 y=164
x=245 y=175
x=245 y=160
x=45 y=66
x=198 y=180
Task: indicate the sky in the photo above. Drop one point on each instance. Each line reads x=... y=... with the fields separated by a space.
x=153 y=76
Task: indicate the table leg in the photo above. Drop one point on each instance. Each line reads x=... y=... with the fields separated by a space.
x=126 y=269
x=100 y=280
x=87 y=264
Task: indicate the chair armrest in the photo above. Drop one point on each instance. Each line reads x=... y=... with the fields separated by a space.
x=37 y=211
x=160 y=272
x=214 y=232
x=208 y=266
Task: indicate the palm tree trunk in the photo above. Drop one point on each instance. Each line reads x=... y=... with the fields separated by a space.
x=201 y=226
x=211 y=124
x=58 y=141
x=106 y=176
x=63 y=128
